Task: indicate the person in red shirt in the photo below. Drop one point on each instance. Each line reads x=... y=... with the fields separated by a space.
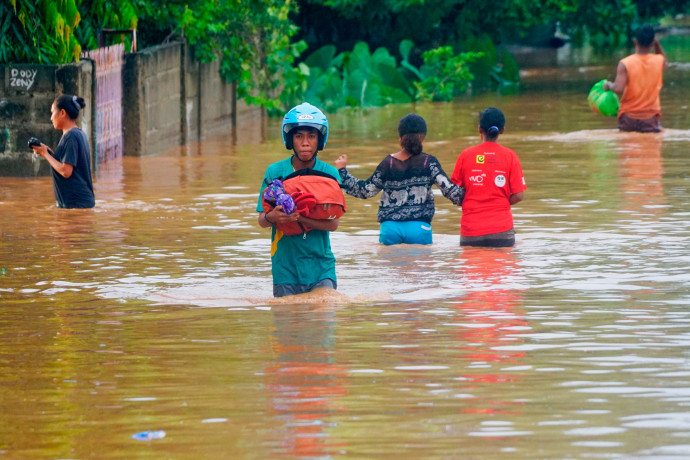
x=492 y=177
x=638 y=83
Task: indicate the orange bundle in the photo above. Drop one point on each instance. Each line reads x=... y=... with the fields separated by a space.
x=316 y=195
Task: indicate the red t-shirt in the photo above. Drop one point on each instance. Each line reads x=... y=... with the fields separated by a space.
x=490 y=173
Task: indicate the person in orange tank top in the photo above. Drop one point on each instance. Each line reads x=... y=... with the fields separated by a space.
x=638 y=82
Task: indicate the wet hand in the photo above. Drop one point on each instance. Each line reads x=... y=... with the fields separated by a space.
x=279 y=217
x=41 y=150
x=341 y=162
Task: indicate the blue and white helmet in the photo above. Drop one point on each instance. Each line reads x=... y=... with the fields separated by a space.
x=307 y=115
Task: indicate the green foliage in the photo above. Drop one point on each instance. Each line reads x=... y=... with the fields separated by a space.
x=195 y=20
x=659 y=8
x=39 y=31
x=434 y=23
x=359 y=78
x=259 y=56
x=602 y=23
x=492 y=69
x=444 y=74
x=356 y=78
x=323 y=70
x=252 y=39
x=105 y=14
x=373 y=79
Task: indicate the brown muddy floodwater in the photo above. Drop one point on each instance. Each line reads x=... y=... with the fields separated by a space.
x=153 y=311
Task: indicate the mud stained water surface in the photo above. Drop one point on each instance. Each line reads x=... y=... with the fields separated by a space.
x=154 y=313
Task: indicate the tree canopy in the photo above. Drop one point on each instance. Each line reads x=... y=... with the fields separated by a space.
x=252 y=39
x=261 y=44
x=433 y=23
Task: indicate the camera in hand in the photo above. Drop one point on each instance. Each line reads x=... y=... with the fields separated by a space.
x=33 y=142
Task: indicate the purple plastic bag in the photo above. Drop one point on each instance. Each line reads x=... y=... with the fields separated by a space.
x=273 y=191
x=286 y=202
x=275 y=194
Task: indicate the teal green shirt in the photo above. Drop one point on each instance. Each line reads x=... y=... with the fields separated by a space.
x=299 y=259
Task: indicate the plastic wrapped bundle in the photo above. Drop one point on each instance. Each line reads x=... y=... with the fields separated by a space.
x=603 y=101
x=276 y=196
x=286 y=202
x=309 y=193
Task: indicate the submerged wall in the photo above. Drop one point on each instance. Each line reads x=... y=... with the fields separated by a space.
x=168 y=99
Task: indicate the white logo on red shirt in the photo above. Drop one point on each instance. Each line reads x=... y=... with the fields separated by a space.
x=500 y=180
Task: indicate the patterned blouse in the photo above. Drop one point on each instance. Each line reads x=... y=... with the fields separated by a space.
x=406 y=187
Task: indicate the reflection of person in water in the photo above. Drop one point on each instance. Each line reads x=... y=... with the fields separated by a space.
x=303 y=381
x=641 y=172
x=494 y=310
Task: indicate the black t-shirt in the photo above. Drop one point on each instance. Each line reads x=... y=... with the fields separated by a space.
x=77 y=190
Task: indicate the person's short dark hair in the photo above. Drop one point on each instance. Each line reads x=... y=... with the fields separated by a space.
x=410 y=128
x=492 y=121
x=645 y=35
x=70 y=104
x=411 y=124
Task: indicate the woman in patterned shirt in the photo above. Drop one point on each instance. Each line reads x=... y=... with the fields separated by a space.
x=405 y=177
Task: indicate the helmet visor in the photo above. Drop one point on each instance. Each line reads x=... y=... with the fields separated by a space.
x=292 y=126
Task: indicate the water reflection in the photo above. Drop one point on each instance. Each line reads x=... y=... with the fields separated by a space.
x=642 y=169
x=154 y=310
x=304 y=383
x=110 y=177
x=491 y=316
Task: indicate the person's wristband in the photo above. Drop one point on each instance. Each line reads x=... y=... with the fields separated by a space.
x=266 y=218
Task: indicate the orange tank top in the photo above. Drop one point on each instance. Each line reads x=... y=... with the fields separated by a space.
x=641 y=96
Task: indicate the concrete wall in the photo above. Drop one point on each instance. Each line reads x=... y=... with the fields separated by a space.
x=170 y=99
x=191 y=111
x=26 y=95
x=151 y=99
x=217 y=100
x=209 y=100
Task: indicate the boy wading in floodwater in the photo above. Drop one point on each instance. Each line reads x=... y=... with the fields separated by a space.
x=303 y=262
